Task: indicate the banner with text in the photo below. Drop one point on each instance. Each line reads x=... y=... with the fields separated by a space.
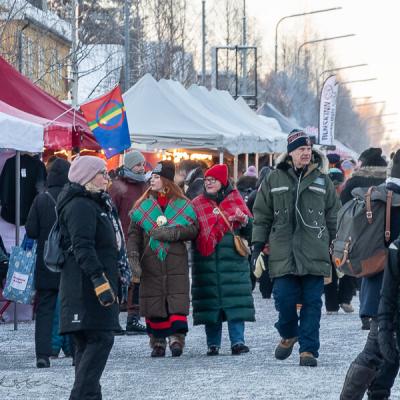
x=327 y=111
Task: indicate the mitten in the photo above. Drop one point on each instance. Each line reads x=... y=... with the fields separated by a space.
x=255 y=252
x=261 y=265
x=134 y=262
x=165 y=233
x=387 y=342
x=239 y=217
x=103 y=290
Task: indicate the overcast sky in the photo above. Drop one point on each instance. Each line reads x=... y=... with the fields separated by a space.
x=376 y=24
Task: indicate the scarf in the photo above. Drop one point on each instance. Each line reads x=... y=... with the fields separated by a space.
x=212 y=225
x=125 y=273
x=149 y=216
x=130 y=176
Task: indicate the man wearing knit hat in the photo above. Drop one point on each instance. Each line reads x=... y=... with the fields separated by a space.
x=128 y=185
x=295 y=214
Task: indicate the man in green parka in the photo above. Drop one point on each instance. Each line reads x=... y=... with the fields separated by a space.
x=295 y=214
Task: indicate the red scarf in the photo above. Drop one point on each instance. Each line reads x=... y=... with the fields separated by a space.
x=212 y=225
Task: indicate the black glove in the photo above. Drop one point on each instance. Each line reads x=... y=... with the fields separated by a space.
x=256 y=249
x=103 y=290
x=387 y=342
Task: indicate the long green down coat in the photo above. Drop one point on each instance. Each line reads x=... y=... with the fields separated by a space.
x=221 y=286
x=299 y=241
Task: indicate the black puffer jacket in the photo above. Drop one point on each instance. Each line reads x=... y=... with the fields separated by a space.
x=245 y=185
x=41 y=218
x=85 y=224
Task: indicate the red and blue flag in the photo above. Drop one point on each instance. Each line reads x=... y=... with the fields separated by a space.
x=106 y=118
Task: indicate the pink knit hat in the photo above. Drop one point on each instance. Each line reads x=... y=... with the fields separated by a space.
x=85 y=168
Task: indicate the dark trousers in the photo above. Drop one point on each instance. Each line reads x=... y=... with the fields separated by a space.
x=290 y=290
x=92 y=349
x=265 y=284
x=338 y=291
x=371 y=357
x=45 y=309
x=133 y=300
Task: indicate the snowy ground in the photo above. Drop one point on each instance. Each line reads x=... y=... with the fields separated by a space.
x=132 y=374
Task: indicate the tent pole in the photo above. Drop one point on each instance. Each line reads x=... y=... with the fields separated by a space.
x=247 y=160
x=256 y=161
x=235 y=168
x=221 y=157
x=17 y=215
x=271 y=159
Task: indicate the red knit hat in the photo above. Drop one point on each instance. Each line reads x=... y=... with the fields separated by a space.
x=219 y=172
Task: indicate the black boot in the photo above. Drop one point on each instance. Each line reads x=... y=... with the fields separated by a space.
x=134 y=327
x=358 y=378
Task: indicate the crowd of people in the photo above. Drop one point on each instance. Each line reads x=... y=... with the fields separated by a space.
x=160 y=241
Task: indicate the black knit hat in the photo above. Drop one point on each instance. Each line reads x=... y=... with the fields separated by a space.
x=395 y=172
x=296 y=139
x=333 y=158
x=166 y=169
x=372 y=157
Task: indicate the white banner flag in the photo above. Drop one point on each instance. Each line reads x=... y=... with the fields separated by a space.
x=327 y=111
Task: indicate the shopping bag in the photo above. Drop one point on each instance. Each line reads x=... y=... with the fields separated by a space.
x=20 y=286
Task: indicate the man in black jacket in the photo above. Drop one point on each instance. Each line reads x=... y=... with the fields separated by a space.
x=40 y=220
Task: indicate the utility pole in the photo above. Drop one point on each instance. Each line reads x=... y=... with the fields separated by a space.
x=74 y=58
x=203 y=47
x=127 y=45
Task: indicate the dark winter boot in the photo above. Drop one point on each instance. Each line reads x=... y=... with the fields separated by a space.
x=358 y=378
x=134 y=327
x=43 y=362
x=176 y=344
x=365 y=323
x=158 y=345
x=284 y=348
x=307 y=359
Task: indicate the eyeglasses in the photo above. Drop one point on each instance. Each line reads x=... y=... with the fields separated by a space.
x=104 y=173
x=210 y=181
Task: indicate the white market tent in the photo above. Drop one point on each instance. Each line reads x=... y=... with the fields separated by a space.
x=154 y=120
x=235 y=139
x=21 y=135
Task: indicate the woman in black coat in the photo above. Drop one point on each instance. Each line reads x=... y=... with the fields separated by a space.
x=40 y=220
x=90 y=274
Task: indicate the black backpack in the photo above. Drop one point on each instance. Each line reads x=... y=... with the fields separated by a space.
x=53 y=253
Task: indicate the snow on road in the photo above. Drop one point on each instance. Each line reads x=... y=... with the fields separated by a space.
x=132 y=374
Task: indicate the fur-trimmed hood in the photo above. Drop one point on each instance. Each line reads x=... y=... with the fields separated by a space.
x=318 y=160
x=371 y=172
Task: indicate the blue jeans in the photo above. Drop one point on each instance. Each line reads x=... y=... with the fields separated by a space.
x=214 y=332
x=307 y=290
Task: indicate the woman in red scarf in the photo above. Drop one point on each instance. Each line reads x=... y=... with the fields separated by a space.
x=221 y=288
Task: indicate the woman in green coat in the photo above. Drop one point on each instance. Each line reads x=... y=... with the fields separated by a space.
x=221 y=287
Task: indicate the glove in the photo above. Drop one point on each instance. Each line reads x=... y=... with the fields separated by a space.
x=387 y=343
x=261 y=265
x=136 y=269
x=165 y=233
x=240 y=217
x=103 y=290
x=256 y=250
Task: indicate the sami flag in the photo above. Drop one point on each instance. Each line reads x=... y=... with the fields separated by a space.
x=106 y=118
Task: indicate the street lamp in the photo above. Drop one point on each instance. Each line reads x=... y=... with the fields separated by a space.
x=341 y=68
x=369 y=104
x=358 y=81
x=321 y=40
x=293 y=16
